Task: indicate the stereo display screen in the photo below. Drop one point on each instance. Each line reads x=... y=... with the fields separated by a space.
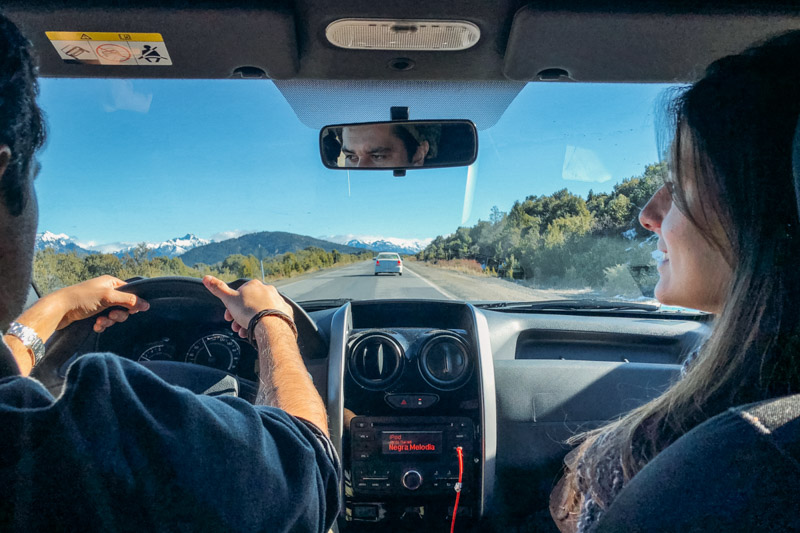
x=411 y=442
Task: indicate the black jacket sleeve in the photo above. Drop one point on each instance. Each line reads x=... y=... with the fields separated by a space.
x=121 y=450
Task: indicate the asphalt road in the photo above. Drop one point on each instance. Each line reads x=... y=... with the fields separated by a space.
x=359 y=282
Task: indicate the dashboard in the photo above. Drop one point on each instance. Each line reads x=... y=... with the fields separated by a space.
x=509 y=388
x=187 y=335
x=203 y=344
x=417 y=419
x=421 y=393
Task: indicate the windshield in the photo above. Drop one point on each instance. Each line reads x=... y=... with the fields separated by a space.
x=224 y=177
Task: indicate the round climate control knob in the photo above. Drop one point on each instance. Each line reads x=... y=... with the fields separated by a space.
x=412 y=480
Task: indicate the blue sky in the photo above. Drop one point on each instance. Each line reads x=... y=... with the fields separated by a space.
x=148 y=160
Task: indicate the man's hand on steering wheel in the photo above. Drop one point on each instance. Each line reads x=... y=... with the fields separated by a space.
x=61 y=308
x=95 y=296
x=284 y=381
x=243 y=304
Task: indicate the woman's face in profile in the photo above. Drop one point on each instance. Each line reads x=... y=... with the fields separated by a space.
x=692 y=272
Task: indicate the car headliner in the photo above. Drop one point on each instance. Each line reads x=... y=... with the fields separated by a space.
x=593 y=41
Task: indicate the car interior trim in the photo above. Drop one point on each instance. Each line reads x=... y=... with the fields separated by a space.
x=488 y=408
x=341 y=326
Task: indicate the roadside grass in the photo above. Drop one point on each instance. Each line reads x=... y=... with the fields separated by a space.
x=465 y=266
x=618 y=282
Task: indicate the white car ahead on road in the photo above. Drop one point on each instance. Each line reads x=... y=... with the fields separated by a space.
x=388 y=263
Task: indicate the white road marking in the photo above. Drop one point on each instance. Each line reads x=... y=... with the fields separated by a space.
x=435 y=287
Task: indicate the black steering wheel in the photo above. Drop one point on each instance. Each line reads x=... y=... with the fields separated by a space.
x=169 y=293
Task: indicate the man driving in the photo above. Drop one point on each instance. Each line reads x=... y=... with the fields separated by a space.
x=120 y=449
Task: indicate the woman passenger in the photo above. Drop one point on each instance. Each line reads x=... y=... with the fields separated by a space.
x=728 y=229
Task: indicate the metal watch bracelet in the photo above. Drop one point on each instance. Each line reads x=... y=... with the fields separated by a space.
x=29 y=338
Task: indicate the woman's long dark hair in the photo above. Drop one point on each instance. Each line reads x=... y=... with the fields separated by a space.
x=737 y=126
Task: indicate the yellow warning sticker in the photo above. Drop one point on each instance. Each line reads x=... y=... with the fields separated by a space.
x=102 y=36
x=110 y=48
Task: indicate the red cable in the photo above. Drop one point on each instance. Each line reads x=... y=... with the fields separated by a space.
x=458 y=486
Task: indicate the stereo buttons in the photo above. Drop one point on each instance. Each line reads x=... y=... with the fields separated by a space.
x=411 y=401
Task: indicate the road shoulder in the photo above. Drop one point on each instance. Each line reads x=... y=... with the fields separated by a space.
x=472 y=288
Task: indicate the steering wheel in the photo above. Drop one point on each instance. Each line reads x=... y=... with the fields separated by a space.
x=166 y=293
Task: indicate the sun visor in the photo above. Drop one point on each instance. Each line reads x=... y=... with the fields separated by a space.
x=150 y=43
x=602 y=47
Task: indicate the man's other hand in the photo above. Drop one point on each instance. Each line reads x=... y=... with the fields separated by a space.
x=95 y=296
x=243 y=304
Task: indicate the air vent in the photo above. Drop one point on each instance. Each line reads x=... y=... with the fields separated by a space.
x=376 y=360
x=445 y=362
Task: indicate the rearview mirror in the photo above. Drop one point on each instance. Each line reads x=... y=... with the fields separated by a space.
x=399 y=145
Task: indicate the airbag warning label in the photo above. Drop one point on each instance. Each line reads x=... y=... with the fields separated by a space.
x=108 y=48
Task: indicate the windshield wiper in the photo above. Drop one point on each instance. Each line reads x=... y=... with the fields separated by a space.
x=572 y=305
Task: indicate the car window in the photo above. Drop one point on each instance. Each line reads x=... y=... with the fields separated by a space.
x=189 y=177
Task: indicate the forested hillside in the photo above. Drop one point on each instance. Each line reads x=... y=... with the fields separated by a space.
x=564 y=240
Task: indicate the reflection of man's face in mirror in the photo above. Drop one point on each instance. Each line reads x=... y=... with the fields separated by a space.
x=382 y=145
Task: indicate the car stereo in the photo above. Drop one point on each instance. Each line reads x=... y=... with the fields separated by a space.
x=410 y=456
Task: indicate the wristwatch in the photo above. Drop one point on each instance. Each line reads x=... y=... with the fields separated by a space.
x=29 y=338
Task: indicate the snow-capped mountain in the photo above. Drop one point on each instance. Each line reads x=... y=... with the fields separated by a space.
x=60 y=242
x=177 y=246
x=170 y=248
x=381 y=244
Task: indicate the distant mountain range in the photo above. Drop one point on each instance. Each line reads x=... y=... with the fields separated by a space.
x=60 y=242
x=170 y=248
x=381 y=244
x=192 y=249
x=261 y=244
x=63 y=243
